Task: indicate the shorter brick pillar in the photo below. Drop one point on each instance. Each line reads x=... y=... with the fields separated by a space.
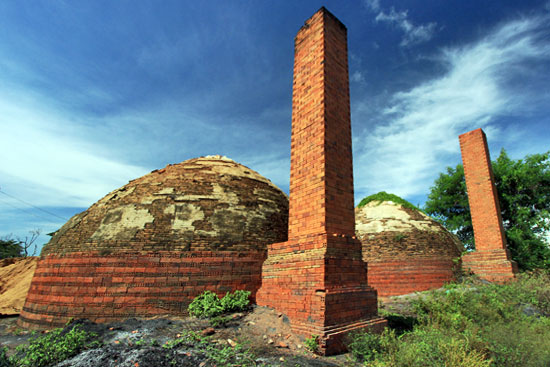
x=491 y=259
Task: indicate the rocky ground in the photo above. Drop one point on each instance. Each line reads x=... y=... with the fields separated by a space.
x=135 y=343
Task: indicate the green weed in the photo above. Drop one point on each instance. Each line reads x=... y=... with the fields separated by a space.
x=219 y=321
x=312 y=343
x=4 y=359
x=228 y=356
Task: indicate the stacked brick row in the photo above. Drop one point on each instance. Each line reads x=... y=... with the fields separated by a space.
x=106 y=288
x=491 y=260
x=392 y=277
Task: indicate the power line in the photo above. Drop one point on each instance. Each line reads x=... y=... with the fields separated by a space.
x=34 y=206
x=23 y=210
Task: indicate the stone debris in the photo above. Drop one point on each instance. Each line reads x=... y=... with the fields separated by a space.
x=282 y=345
x=208 y=331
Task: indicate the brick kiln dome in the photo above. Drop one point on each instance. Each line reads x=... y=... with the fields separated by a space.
x=150 y=247
x=207 y=203
x=405 y=249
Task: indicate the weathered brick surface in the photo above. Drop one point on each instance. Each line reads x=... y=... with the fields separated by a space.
x=491 y=260
x=208 y=203
x=406 y=251
x=317 y=277
x=132 y=284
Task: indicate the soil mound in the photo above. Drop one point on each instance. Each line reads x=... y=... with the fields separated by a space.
x=15 y=280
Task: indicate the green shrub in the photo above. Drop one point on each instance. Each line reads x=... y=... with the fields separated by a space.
x=365 y=346
x=236 y=301
x=54 y=347
x=427 y=347
x=524 y=342
x=208 y=304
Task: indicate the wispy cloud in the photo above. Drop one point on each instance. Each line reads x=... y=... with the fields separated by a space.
x=46 y=160
x=374 y=5
x=357 y=77
x=413 y=34
x=416 y=133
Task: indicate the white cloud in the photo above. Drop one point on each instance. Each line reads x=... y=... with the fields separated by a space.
x=414 y=34
x=416 y=135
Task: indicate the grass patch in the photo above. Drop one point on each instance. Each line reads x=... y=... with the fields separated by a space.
x=217 y=354
x=53 y=347
x=468 y=325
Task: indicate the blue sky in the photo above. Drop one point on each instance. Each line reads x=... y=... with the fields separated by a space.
x=96 y=93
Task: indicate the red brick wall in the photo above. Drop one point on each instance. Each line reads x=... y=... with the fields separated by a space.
x=392 y=277
x=317 y=278
x=106 y=288
x=491 y=252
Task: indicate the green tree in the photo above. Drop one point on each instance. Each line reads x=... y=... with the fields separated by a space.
x=10 y=247
x=523 y=187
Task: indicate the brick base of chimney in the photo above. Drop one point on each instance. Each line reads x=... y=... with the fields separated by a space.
x=322 y=290
x=492 y=265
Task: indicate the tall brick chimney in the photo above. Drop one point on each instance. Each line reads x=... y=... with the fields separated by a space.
x=318 y=278
x=491 y=259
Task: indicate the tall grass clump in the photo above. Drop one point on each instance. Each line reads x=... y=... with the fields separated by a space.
x=469 y=325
